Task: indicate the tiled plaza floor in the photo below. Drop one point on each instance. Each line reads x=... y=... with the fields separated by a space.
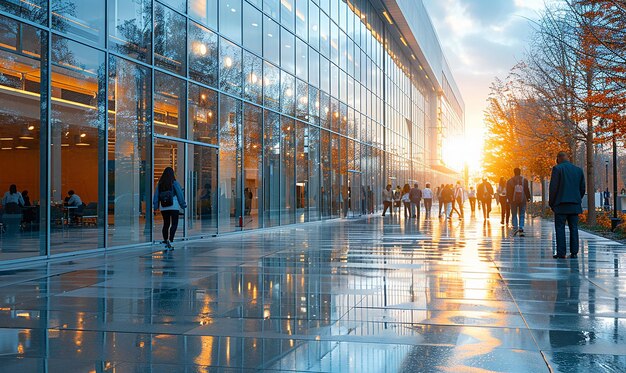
x=368 y=295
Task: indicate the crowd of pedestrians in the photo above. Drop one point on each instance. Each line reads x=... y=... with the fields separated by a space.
x=567 y=188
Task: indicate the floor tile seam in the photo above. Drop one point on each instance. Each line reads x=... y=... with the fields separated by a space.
x=543 y=355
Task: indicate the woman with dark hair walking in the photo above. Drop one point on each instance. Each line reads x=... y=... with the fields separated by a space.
x=504 y=203
x=406 y=200
x=169 y=195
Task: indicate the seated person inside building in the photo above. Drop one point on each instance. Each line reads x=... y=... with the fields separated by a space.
x=75 y=204
x=12 y=202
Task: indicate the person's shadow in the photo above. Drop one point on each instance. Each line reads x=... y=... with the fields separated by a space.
x=565 y=328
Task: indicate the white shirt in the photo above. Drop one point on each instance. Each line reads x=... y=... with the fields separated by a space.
x=427 y=193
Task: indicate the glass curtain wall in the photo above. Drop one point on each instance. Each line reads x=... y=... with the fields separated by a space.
x=271 y=113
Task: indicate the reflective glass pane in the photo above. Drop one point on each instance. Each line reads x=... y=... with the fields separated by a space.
x=253 y=78
x=230 y=202
x=230 y=19
x=271 y=86
x=130 y=28
x=84 y=19
x=252 y=23
x=287 y=14
x=129 y=167
x=287 y=172
x=253 y=166
x=302 y=172
x=302 y=100
x=203 y=54
x=201 y=188
x=169 y=105
x=180 y=5
x=23 y=207
x=271 y=41
x=302 y=61
x=230 y=67
x=288 y=51
x=271 y=169
x=324 y=75
x=170 y=40
x=168 y=153
x=325 y=169
x=202 y=106
x=32 y=10
x=288 y=88
x=77 y=147
x=302 y=12
x=205 y=11
x=314 y=25
x=314 y=172
x=314 y=68
x=271 y=8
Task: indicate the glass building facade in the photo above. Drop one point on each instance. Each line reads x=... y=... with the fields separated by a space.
x=271 y=112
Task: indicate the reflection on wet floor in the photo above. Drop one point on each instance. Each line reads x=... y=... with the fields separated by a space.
x=368 y=295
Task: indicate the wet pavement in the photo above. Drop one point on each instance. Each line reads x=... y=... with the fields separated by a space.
x=365 y=295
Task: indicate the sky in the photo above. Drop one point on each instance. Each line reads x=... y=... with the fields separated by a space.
x=482 y=39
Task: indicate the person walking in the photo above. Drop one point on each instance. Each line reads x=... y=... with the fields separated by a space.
x=447 y=197
x=505 y=209
x=518 y=194
x=169 y=198
x=427 y=194
x=567 y=188
x=485 y=194
x=406 y=201
x=416 y=199
x=439 y=200
x=459 y=199
x=397 y=196
x=471 y=195
x=387 y=200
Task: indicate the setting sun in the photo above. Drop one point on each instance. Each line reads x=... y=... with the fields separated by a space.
x=461 y=151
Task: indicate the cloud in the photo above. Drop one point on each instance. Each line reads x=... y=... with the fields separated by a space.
x=488 y=12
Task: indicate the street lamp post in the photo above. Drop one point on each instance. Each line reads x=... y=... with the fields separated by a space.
x=615 y=221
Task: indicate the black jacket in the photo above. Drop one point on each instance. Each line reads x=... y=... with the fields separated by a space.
x=567 y=189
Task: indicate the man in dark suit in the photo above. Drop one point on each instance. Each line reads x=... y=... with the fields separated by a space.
x=518 y=194
x=567 y=188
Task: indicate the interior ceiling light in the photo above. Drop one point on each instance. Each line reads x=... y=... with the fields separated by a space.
x=387 y=17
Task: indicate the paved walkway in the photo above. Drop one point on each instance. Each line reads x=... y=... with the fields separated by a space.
x=368 y=295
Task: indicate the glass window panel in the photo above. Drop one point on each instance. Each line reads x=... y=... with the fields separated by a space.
x=271 y=86
x=287 y=172
x=230 y=203
x=302 y=172
x=84 y=19
x=168 y=153
x=314 y=25
x=130 y=28
x=343 y=49
x=313 y=147
x=129 y=123
x=230 y=19
x=169 y=105
x=287 y=18
x=230 y=67
x=253 y=78
x=334 y=79
x=271 y=169
x=169 y=40
x=252 y=23
x=325 y=171
x=324 y=75
x=314 y=68
x=334 y=43
x=205 y=11
x=302 y=11
x=324 y=35
x=302 y=100
x=271 y=8
x=202 y=118
x=32 y=10
x=288 y=51
x=314 y=105
x=77 y=147
x=21 y=114
x=302 y=60
x=336 y=202
x=343 y=85
x=271 y=41
x=288 y=87
x=325 y=111
x=201 y=185
x=253 y=166
x=180 y=5
x=203 y=53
